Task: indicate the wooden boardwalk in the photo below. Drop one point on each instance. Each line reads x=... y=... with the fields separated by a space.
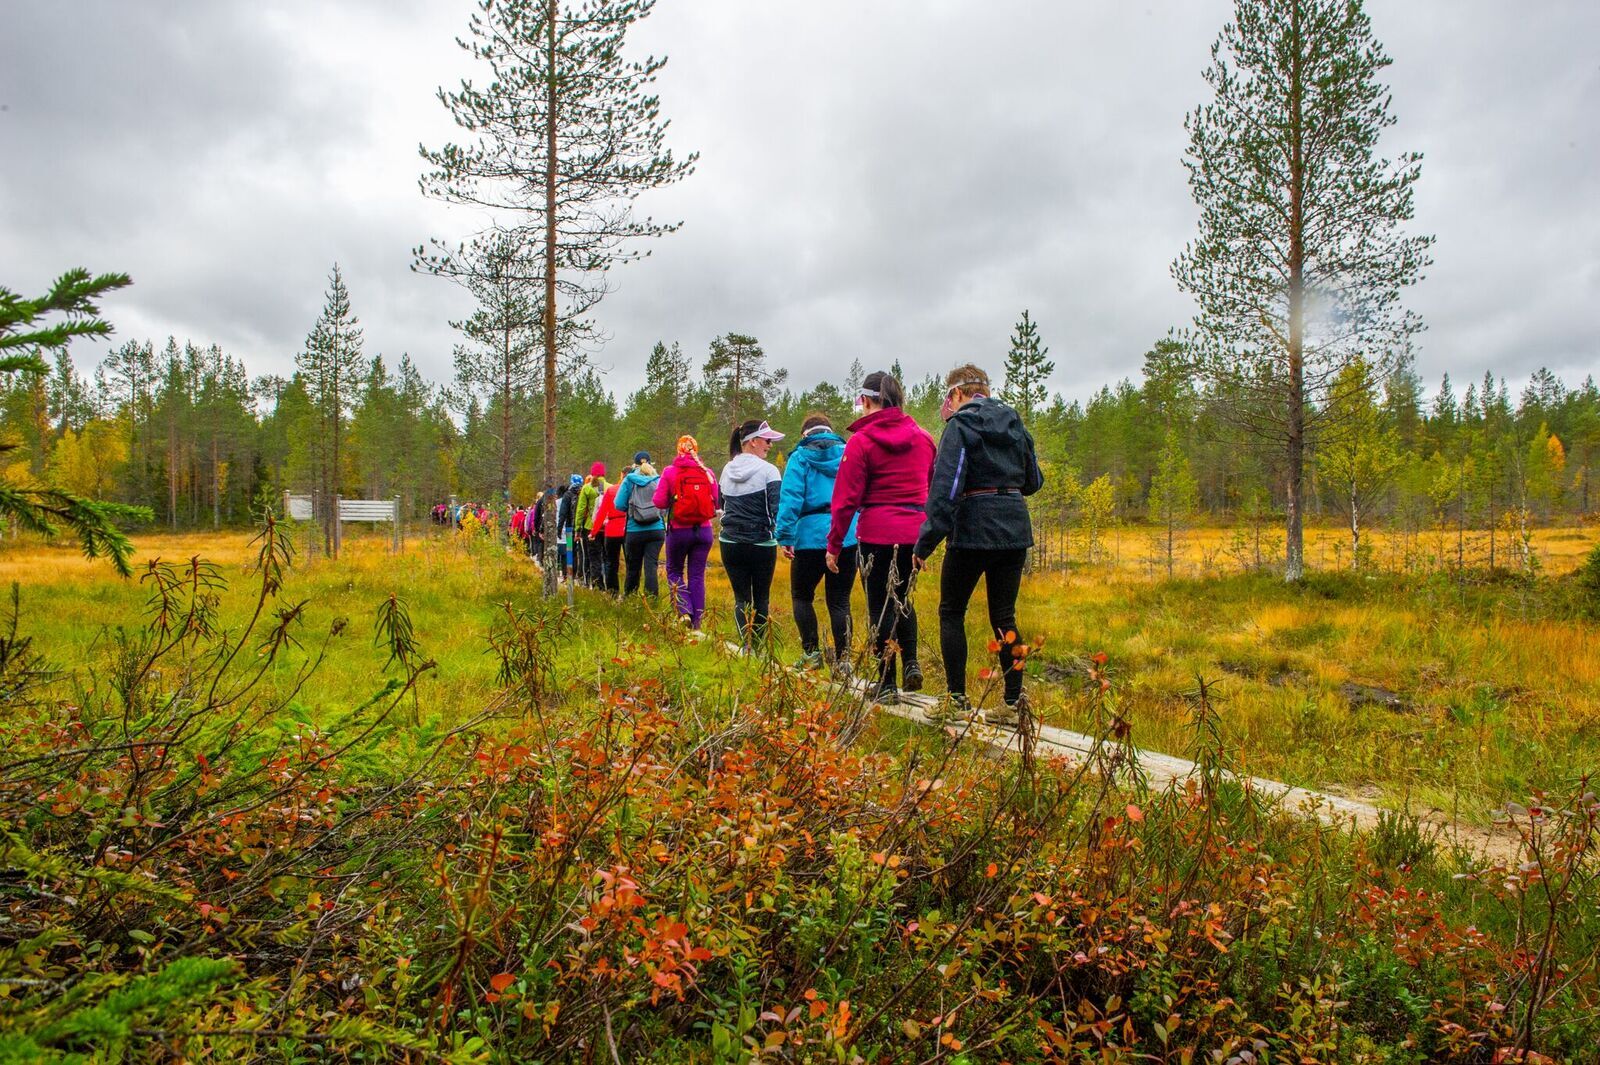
x=1162 y=769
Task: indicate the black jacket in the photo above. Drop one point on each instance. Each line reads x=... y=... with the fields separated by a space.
x=984 y=447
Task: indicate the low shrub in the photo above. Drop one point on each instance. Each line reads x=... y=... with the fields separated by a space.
x=189 y=870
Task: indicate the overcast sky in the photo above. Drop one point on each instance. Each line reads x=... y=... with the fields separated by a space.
x=881 y=180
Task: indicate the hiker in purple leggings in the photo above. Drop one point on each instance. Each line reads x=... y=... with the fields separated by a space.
x=687 y=494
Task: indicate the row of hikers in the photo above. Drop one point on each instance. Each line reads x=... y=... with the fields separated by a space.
x=877 y=505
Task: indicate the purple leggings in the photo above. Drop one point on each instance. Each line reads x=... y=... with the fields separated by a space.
x=687 y=552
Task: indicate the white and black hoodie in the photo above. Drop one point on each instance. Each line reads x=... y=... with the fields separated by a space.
x=750 y=487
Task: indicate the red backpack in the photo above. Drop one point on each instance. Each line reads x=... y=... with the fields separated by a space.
x=696 y=502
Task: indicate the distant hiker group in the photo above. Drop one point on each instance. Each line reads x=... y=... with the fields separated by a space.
x=877 y=506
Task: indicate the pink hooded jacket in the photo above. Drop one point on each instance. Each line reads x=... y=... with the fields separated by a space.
x=884 y=475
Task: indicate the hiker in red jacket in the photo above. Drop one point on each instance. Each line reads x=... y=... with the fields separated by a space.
x=884 y=477
x=687 y=495
x=610 y=528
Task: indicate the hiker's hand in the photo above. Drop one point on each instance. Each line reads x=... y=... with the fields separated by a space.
x=788 y=553
x=833 y=562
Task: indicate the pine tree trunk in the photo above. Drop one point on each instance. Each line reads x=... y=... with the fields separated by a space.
x=503 y=534
x=216 y=488
x=333 y=476
x=552 y=160
x=172 y=472
x=1355 y=530
x=1294 y=535
x=1491 y=526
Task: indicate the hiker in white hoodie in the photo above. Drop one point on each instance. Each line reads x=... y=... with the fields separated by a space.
x=749 y=487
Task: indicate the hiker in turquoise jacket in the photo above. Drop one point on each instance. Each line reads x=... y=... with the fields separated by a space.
x=804 y=505
x=647 y=528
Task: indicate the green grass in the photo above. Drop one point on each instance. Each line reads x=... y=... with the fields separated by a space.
x=1501 y=697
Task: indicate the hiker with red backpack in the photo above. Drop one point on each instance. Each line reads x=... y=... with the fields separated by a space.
x=687 y=494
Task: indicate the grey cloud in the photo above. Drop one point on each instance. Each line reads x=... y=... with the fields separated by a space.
x=896 y=179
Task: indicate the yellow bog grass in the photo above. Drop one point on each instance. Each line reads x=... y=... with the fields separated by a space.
x=1490 y=699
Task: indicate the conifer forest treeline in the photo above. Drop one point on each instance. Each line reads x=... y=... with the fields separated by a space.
x=185 y=429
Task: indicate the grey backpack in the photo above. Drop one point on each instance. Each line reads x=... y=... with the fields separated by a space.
x=641 y=507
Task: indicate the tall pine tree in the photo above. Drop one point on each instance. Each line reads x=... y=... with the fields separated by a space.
x=1300 y=259
x=1027 y=385
x=333 y=368
x=566 y=135
x=737 y=375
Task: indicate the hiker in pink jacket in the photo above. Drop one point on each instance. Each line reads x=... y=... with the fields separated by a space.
x=884 y=476
x=687 y=494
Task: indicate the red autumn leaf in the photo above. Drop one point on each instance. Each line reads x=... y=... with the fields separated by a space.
x=501 y=981
x=1135 y=814
x=992 y=871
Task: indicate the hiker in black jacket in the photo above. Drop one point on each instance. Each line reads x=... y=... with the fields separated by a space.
x=986 y=466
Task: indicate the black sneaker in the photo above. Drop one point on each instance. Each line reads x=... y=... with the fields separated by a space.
x=911 y=676
x=885 y=694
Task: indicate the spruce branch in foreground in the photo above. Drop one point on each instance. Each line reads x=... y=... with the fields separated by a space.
x=24 y=337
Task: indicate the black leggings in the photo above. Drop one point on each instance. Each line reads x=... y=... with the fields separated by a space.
x=886 y=576
x=644 y=558
x=594 y=560
x=805 y=572
x=581 y=557
x=612 y=576
x=750 y=568
x=1002 y=574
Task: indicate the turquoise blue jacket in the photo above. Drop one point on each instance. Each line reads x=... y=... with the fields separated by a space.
x=807 y=493
x=625 y=489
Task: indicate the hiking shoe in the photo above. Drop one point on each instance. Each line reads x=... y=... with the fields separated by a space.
x=911 y=677
x=1002 y=717
x=842 y=669
x=885 y=694
x=811 y=660
x=1009 y=715
x=953 y=709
